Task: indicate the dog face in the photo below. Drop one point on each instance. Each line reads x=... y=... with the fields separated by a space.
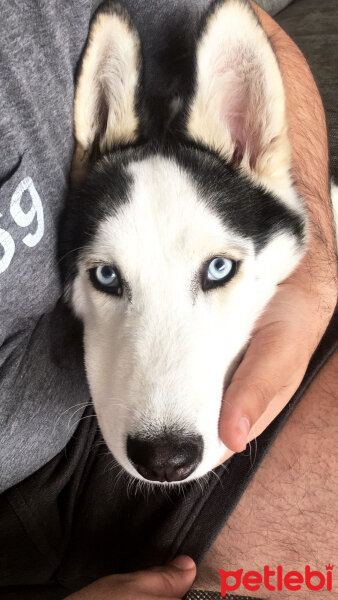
x=171 y=250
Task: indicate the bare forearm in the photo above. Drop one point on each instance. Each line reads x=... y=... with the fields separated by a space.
x=288 y=331
x=308 y=137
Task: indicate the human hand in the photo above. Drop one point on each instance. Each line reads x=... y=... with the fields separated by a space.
x=283 y=341
x=296 y=318
x=169 y=582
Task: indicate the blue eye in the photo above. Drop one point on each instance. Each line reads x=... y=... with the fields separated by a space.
x=218 y=272
x=106 y=275
x=106 y=279
x=219 y=268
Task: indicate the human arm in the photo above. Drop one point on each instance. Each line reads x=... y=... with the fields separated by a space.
x=291 y=327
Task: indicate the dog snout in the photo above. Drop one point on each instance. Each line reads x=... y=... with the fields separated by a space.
x=165 y=458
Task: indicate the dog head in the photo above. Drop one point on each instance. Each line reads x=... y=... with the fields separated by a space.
x=172 y=248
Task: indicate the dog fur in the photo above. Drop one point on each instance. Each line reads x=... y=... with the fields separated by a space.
x=161 y=189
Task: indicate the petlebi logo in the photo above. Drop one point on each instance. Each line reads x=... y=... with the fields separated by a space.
x=277 y=579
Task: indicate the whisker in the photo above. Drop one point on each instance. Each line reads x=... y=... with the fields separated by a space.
x=80 y=405
x=70 y=252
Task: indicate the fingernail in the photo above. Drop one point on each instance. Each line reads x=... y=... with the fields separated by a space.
x=244 y=427
x=183 y=562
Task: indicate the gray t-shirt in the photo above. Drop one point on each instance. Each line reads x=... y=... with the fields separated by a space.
x=41 y=401
x=40 y=44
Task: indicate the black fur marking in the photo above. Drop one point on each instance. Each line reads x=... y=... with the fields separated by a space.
x=105 y=188
x=167 y=70
x=168 y=42
x=246 y=209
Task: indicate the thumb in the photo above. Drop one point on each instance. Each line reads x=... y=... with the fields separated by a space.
x=272 y=368
x=171 y=580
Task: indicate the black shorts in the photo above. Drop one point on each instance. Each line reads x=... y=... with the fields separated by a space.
x=79 y=518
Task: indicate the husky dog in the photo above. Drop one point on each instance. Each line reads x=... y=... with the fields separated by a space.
x=182 y=221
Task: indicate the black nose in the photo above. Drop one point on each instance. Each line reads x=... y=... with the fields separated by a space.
x=165 y=458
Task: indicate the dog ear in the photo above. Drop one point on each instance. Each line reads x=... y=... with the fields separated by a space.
x=238 y=107
x=106 y=95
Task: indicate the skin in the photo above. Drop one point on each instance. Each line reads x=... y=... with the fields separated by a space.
x=288 y=514
x=170 y=582
x=272 y=369
x=290 y=329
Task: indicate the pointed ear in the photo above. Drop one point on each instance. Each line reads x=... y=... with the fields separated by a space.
x=238 y=107
x=106 y=95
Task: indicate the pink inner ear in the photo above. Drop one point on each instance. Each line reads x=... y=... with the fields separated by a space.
x=243 y=109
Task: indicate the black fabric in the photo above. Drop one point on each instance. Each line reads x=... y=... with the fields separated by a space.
x=80 y=517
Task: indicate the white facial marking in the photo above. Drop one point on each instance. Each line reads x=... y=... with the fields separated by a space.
x=157 y=361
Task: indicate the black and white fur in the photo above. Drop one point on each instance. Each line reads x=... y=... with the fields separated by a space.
x=165 y=181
